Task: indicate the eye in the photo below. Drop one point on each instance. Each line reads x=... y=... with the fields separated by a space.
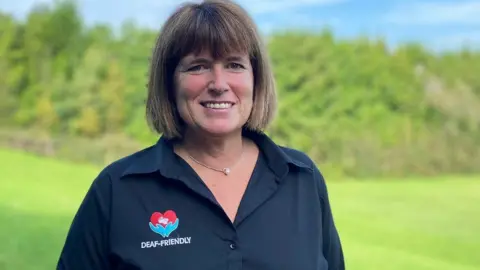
x=235 y=66
x=197 y=68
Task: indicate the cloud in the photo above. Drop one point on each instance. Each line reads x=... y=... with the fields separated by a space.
x=258 y=7
x=436 y=13
x=468 y=39
x=20 y=7
x=288 y=11
x=298 y=20
x=166 y=3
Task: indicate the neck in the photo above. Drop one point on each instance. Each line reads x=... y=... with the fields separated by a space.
x=218 y=152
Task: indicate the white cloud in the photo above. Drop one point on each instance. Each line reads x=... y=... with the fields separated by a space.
x=469 y=39
x=152 y=13
x=165 y=3
x=287 y=9
x=257 y=6
x=269 y=6
x=20 y=7
x=435 y=13
x=297 y=20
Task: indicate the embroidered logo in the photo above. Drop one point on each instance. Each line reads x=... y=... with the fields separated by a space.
x=164 y=224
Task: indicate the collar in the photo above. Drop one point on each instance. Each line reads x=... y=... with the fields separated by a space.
x=279 y=159
x=161 y=158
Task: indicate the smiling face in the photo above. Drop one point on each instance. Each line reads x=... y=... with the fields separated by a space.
x=214 y=96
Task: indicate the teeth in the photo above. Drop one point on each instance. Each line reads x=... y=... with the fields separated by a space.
x=218 y=105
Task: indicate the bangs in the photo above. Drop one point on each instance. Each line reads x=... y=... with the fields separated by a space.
x=209 y=30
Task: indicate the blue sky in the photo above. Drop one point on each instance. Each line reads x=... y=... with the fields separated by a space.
x=438 y=24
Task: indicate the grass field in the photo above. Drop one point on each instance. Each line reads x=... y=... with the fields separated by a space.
x=415 y=224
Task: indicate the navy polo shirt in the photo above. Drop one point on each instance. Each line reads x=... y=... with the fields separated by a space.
x=150 y=211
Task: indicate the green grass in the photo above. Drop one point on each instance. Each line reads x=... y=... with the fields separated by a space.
x=415 y=224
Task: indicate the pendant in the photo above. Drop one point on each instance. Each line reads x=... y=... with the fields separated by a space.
x=226 y=171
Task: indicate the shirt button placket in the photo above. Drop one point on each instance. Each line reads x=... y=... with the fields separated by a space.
x=234 y=257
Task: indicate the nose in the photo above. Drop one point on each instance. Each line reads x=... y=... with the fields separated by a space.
x=218 y=83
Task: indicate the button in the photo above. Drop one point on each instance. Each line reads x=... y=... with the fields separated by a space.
x=233 y=246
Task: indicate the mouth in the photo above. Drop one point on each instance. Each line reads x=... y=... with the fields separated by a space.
x=217 y=104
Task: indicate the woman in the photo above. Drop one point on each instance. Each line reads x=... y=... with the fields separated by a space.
x=215 y=192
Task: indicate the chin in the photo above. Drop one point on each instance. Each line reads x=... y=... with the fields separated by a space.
x=219 y=129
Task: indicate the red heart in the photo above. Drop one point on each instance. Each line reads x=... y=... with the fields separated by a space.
x=168 y=217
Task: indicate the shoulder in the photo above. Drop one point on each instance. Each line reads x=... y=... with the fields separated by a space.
x=298 y=157
x=122 y=165
x=139 y=160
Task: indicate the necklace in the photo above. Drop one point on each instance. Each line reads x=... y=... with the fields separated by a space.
x=225 y=170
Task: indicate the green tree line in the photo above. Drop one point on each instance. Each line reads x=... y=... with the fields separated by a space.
x=357 y=107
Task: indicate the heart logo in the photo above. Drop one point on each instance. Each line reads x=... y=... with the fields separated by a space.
x=164 y=224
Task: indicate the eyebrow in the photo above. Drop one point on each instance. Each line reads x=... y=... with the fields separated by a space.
x=203 y=60
x=236 y=59
x=200 y=60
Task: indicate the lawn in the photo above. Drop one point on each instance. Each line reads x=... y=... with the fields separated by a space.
x=414 y=224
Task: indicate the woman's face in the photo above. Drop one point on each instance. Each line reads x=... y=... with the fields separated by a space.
x=214 y=95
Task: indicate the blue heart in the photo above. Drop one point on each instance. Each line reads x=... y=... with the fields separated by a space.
x=165 y=232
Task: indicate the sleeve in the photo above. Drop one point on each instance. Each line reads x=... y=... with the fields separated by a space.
x=332 y=247
x=87 y=243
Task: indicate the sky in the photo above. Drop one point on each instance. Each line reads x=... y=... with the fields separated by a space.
x=437 y=24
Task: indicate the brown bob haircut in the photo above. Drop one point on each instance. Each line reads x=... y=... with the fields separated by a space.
x=219 y=27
